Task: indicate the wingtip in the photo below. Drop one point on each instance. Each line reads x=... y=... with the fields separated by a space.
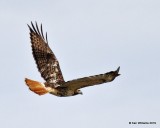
x=117 y=71
x=28 y=26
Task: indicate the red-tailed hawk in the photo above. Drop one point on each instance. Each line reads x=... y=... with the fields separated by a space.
x=49 y=68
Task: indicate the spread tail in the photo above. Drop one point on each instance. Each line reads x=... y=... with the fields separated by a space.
x=37 y=87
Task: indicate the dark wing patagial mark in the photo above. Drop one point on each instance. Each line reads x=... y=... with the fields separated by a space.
x=45 y=59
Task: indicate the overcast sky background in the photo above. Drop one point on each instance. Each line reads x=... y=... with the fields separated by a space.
x=88 y=37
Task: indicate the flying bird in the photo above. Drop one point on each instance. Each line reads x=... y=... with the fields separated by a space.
x=49 y=68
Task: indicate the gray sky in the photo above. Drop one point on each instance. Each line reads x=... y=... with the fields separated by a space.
x=88 y=37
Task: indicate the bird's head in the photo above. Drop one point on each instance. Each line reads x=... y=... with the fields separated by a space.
x=78 y=91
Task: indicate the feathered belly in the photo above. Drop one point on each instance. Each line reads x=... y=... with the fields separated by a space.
x=62 y=92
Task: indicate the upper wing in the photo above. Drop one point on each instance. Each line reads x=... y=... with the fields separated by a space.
x=45 y=59
x=92 y=80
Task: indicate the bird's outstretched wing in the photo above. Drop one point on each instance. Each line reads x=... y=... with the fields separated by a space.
x=45 y=59
x=92 y=80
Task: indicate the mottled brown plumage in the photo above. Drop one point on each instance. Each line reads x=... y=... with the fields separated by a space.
x=49 y=68
x=45 y=59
